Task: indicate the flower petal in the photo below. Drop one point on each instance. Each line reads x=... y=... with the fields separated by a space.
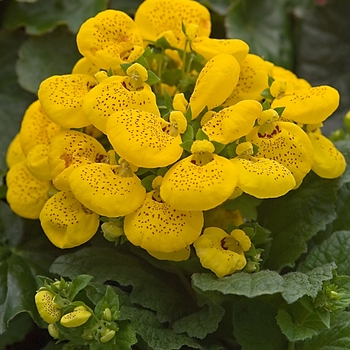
x=328 y=163
x=66 y=222
x=100 y=188
x=263 y=178
x=61 y=97
x=179 y=255
x=37 y=162
x=84 y=66
x=14 y=152
x=112 y=95
x=187 y=186
x=231 y=123
x=215 y=83
x=140 y=138
x=156 y=226
x=309 y=106
x=109 y=39
x=26 y=194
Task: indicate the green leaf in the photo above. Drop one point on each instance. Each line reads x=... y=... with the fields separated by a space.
x=44 y=16
x=222 y=7
x=188 y=134
x=201 y=135
x=110 y=300
x=147 y=182
x=240 y=283
x=334 y=249
x=218 y=146
x=13 y=99
x=129 y=6
x=296 y=217
x=38 y=58
x=78 y=284
x=152 y=288
x=152 y=78
x=264 y=25
x=335 y=338
x=187 y=145
x=298 y=284
x=246 y=204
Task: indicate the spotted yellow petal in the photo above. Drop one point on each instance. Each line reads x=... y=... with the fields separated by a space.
x=84 y=66
x=66 y=222
x=288 y=145
x=263 y=178
x=154 y=17
x=36 y=128
x=253 y=79
x=328 y=163
x=26 y=194
x=101 y=188
x=143 y=139
x=215 y=83
x=231 y=123
x=14 y=152
x=188 y=186
x=112 y=95
x=109 y=38
x=61 y=97
x=209 y=47
x=309 y=106
x=37 y=162
x=69 y=150
x=156 y=226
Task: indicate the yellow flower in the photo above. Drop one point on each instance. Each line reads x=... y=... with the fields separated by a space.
x=36 y=128
x=112 y=95
x=48 y=311
x=66 y=222
x=61 y=97
x=310 y=105
x=220 y=252
x=76 y=318
x=215 y=83
x=262 y=177
x=26 y=194
x=37 y=162
x=201 y=181
x=154 y=17
x=69 y=150
x=285 y=143
x=209 y=47
x=107 y=190
x=143 y=138
x=109 y=39
x=221 y=217
x=84 y=66
x=179 y=255
x=328 y=163
x=158 y=227
x=14 y=152
x=231 y=123
x=180 y=103
x=253 y=79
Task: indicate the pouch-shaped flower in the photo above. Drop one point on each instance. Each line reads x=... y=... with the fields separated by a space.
x=179 y=255
x=48 y=311
x=106 y=190
x=14 y=152
x=66 y=222
x=156 y=226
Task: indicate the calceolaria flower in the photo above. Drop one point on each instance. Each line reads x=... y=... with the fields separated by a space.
x=47 y=309
x=220 y=252
x=76 y=318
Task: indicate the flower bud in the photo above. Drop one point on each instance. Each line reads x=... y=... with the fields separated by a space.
x=75 y=318
x=107 y=335
x=49 y=312
x=53 y=330
x=107 y=314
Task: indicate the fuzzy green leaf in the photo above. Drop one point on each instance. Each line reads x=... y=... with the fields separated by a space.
x=44 y=15
x=38 y=58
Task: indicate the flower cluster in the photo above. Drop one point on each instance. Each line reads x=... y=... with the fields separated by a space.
x=157 y=125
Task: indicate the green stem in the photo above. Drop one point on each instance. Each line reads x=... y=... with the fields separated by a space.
x=291 y=345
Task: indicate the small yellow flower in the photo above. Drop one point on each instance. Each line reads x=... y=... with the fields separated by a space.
x=215 y=83
x=36 y=128
x=220 y=252
x=154 y=17
x=26 y=194
x=310 y=105
x=143 y=138
x=109 y=39
x=201 y=181
x=157 y=227
x=328 y=163
x=107 y=190
x=180 y=103
x=112 y=95
x=61 y=97
x=66 y=222
x=253 y=79
x=75 y=318
x=231 y=123
x=209 y=47
x=49 y=312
